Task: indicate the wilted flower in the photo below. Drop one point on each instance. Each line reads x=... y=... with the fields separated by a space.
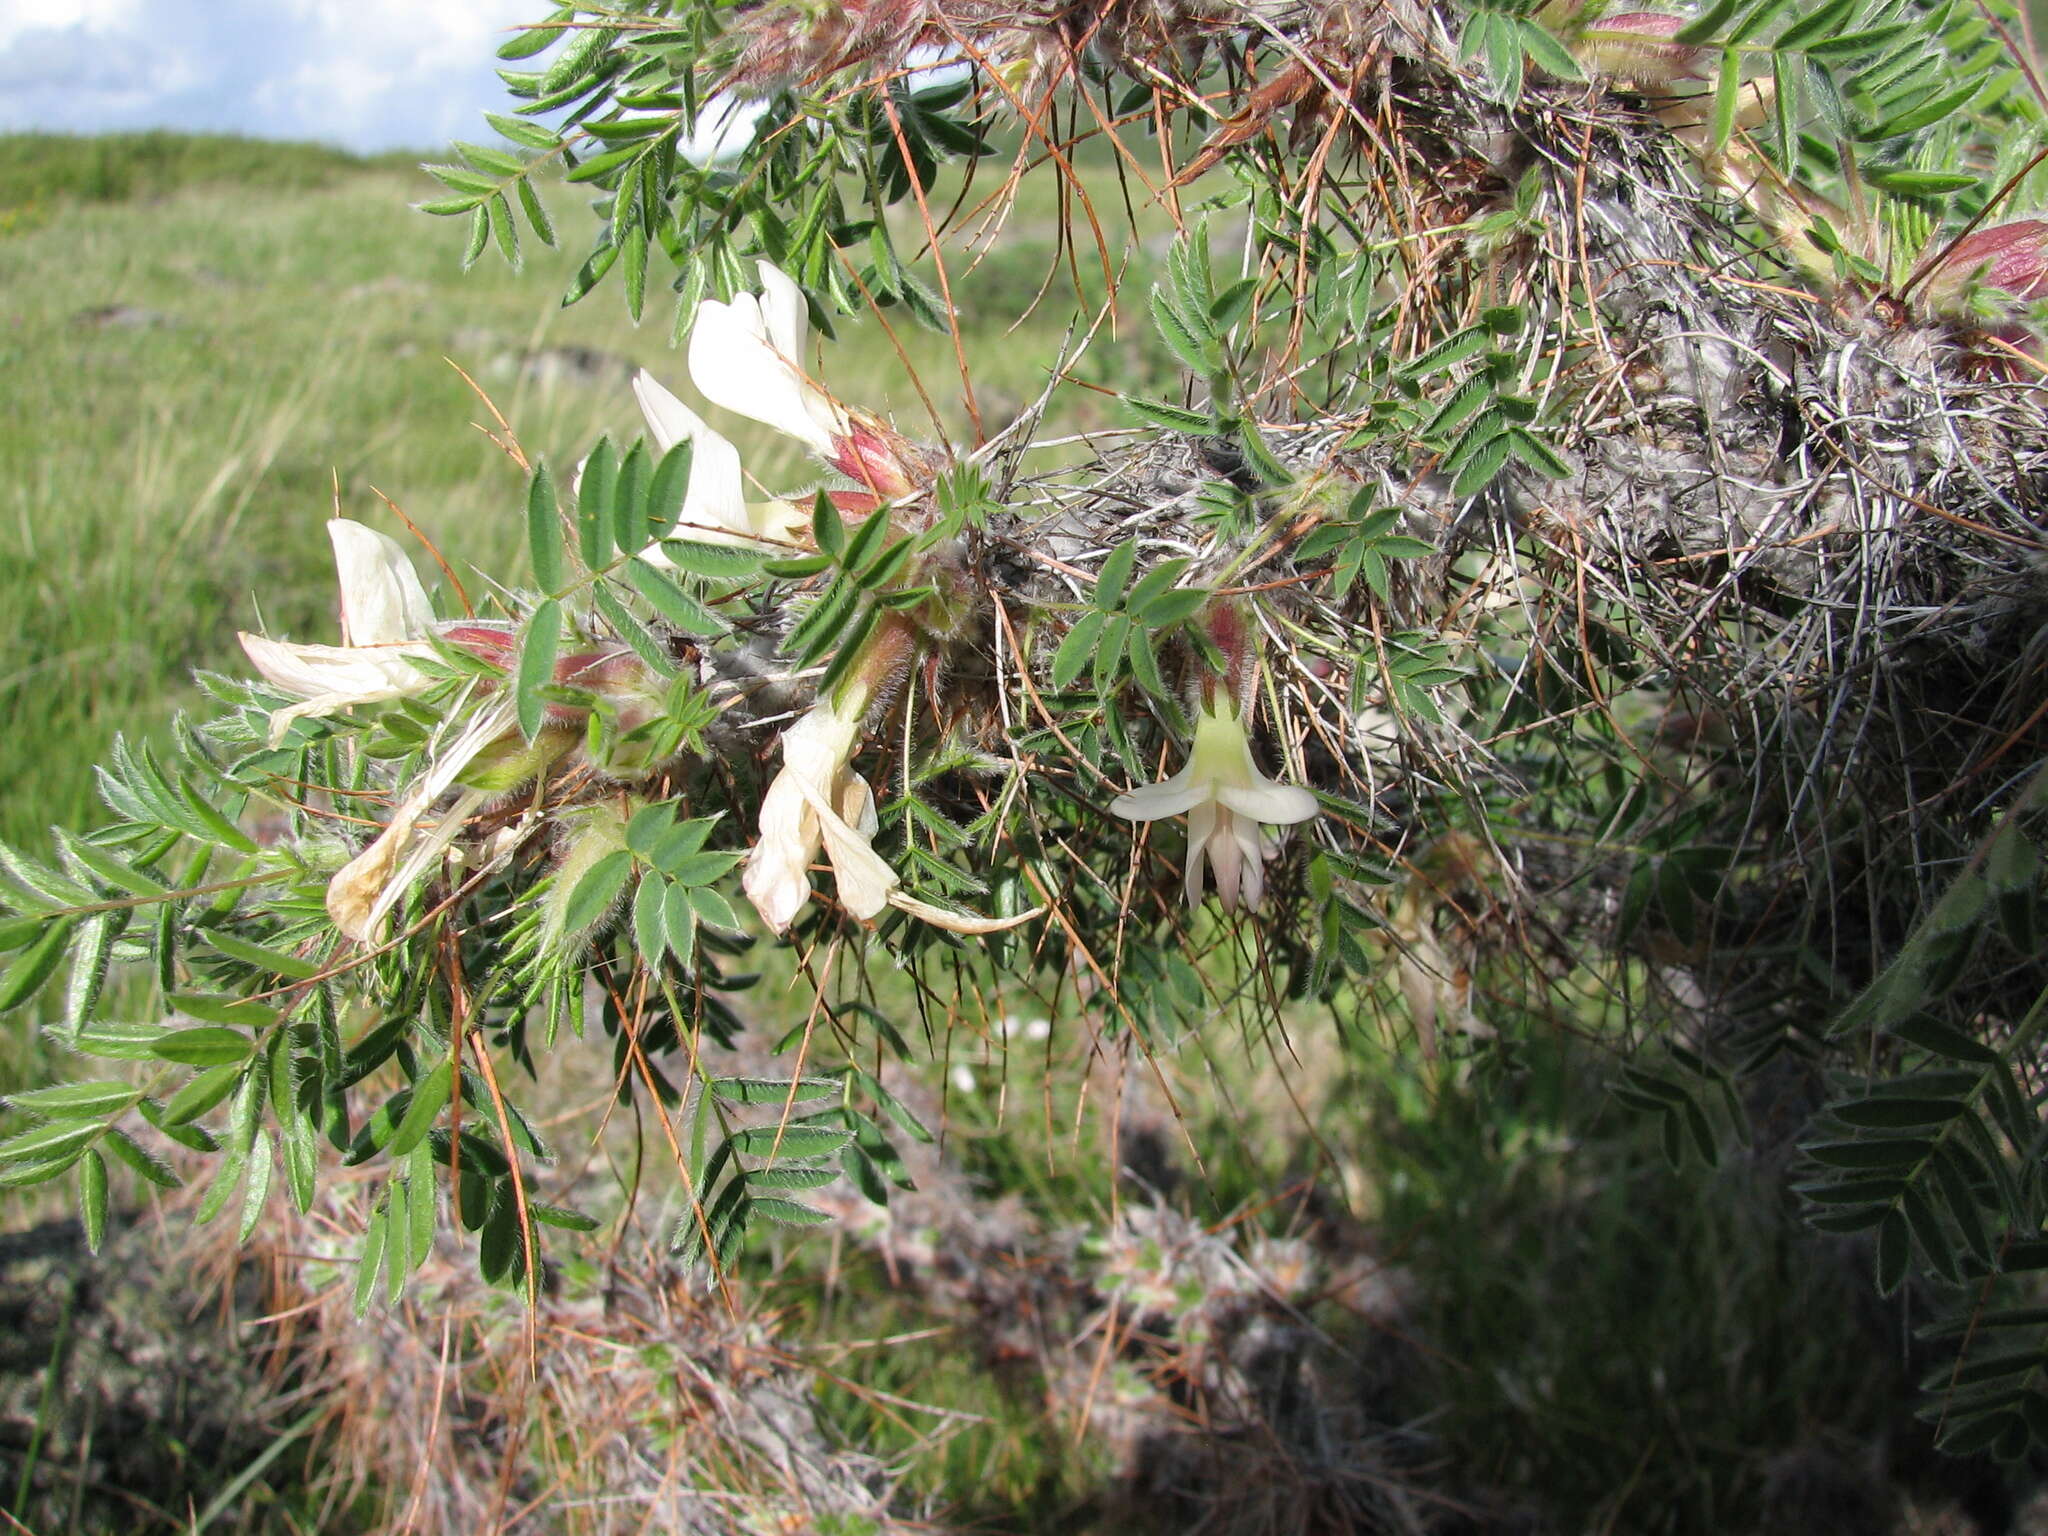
x=489 y=758
x=364 y=890
x=385 y=622
x=817 y=800
x=1226 y=799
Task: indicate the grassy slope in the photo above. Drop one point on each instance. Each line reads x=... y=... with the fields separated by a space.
x=37 y=170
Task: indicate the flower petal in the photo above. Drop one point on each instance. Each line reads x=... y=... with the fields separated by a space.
x=330 y=678
x=358 y=886
x=716 y=501
x=352 y=674
x=1227 y=859
x=1280 y=805
x=715 y=508
x=669 y=421
x=748 y=356
x=1169 y=797
x=1251 y=860
x=819 y=746
x=857 y=806
x=736 y=366
x=866 y=881
x=796 y=811
x=716 y=497
x=779 y=522
x=1201 y=826
x=958 y=922
x=776 y=878
x=785 y=313
x=366 y=888
x=864 y=876
x=382 y=601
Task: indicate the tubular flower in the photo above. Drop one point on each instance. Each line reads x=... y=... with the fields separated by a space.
x=385 y=622
x=816 y=800
x=1226 y=799
x=715 y=508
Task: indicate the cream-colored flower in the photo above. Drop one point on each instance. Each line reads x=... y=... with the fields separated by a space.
x=1226 y=799
x=748 y=357
x=364 y=890
x=818 y=801
x=385 y=621
x=715 y=507
x=382 y=601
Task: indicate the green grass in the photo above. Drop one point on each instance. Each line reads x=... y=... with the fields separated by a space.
x=192 y=378
x=1629 y=1345
x=1592 y=1339
x=197 y=377
x=118 y=167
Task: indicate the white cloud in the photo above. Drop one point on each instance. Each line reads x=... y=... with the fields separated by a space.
x=371 y=74
x=55 y=15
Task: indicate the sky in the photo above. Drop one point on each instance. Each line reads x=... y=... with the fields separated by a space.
x=364 y=74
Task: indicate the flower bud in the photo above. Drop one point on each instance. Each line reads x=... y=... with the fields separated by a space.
x=590 y=835
x=631 y=697
x=872 y=455
x=2010 y=257
x=493 y=643
x=1637 y=46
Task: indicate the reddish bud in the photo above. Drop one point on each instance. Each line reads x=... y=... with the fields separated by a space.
x=2010 y=257
x=873 y=456
x=598 y=670
x=617 y=675
x=486 y=642
x=855 y=503
x=1636 y=45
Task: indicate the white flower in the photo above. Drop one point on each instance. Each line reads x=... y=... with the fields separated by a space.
x=1225 y=798
x=817 y=801
x=715 y=508
x=748 y=357
x=382 y=601
x=385 y=621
